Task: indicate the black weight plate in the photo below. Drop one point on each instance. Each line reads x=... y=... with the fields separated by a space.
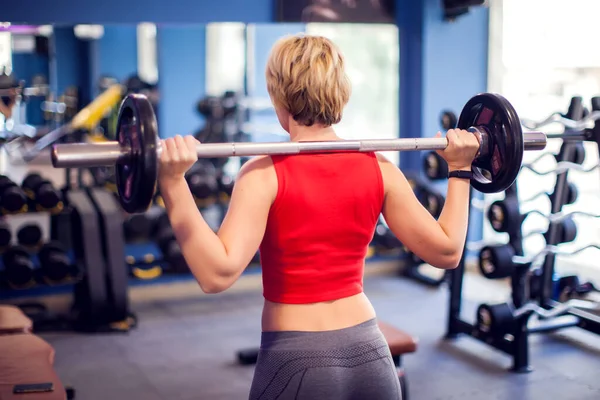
x=567 y=231
x=447 y=120
x=495 y=262
x=13 y=200
x=495 y=319
x=435 y=166
x=494 y=115
x=29 y=235
x=47 y=197
x=136 y=176
x=54 y=261
x=504 y=215
x=572 y=193
x=18 y=267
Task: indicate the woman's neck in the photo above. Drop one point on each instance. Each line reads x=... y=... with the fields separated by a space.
x=312 y=133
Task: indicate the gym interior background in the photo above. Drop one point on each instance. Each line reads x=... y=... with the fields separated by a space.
x=125 y=320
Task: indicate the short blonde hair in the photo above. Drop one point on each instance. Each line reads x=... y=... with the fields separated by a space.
x=306 y=77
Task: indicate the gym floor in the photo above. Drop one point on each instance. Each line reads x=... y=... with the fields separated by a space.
x=185 y=344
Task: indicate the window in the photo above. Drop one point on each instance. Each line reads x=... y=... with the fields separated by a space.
x=5 y=53
x=225 y=58
x=540 y=56
x=146 y=48
x=372 y=65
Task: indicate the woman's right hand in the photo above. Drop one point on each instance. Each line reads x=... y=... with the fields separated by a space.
x=462 y=148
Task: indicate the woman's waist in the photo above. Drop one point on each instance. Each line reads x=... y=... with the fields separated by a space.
x=359 y=338
x=317 y=316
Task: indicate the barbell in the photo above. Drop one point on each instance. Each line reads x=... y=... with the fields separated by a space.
x=137 y=148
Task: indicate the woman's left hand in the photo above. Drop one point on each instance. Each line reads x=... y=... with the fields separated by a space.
x=177 y=156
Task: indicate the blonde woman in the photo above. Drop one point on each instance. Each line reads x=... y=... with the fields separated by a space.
x=313 y=216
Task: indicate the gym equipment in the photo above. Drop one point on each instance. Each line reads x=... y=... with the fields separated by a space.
x=551 y=249
x=165 y=238
x=500 y=319
x=577 y=156
x=561 y=167
x=532 y=279
x=203 y=183
x=29 y=235
x=42 y=193
x=504 y=215
x=55 y=264
x=5 y=235
x=570 y=286
x=136 y=152
x=137 y=227
x=435 y=166
x=383 y=238
x=12 y=198
x=225 y=183
x=85 y=119
x=496 y=261
x=578 y=125
x=18 y=268
x=448 y=120
x=570 y=196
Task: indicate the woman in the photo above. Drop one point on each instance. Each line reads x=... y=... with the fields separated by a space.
x=313 y=216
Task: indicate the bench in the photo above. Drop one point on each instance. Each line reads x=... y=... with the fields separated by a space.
x=13 y=320
x=26 y=359
x=400 y=343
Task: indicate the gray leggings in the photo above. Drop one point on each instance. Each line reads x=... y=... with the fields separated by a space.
x=345 y=364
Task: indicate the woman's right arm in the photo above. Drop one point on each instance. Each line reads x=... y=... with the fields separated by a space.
x=439 y=243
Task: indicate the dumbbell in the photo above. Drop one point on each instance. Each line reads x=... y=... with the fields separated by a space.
x=137 y=227
x=5 y=235
x=495 y=319
x=496 y=261
x=435 y=166
x=578 y=154
x=504 y=215
x=12 y=197
x=19 y=270
x=29 y=236
x=55 y=264
x=42 y=193
x=448 y=120
x=165 y=238
x=570 y=195
x=567 y=231
x=202 y=181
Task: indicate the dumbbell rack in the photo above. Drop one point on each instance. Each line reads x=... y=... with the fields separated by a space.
x=546 y=298
x=514 y=341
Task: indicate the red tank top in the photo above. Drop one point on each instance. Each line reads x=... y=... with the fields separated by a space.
x=320 y=226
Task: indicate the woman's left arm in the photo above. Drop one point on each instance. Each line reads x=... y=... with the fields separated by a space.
x=218 y=259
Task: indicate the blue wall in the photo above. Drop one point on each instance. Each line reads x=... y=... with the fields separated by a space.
x=68 y=62
x=182 y=68
x=454 y=69
x=114 y=54
x=134 y=11
x=26 y=66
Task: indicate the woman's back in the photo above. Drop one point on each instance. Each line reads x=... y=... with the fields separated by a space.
x=316 y=239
